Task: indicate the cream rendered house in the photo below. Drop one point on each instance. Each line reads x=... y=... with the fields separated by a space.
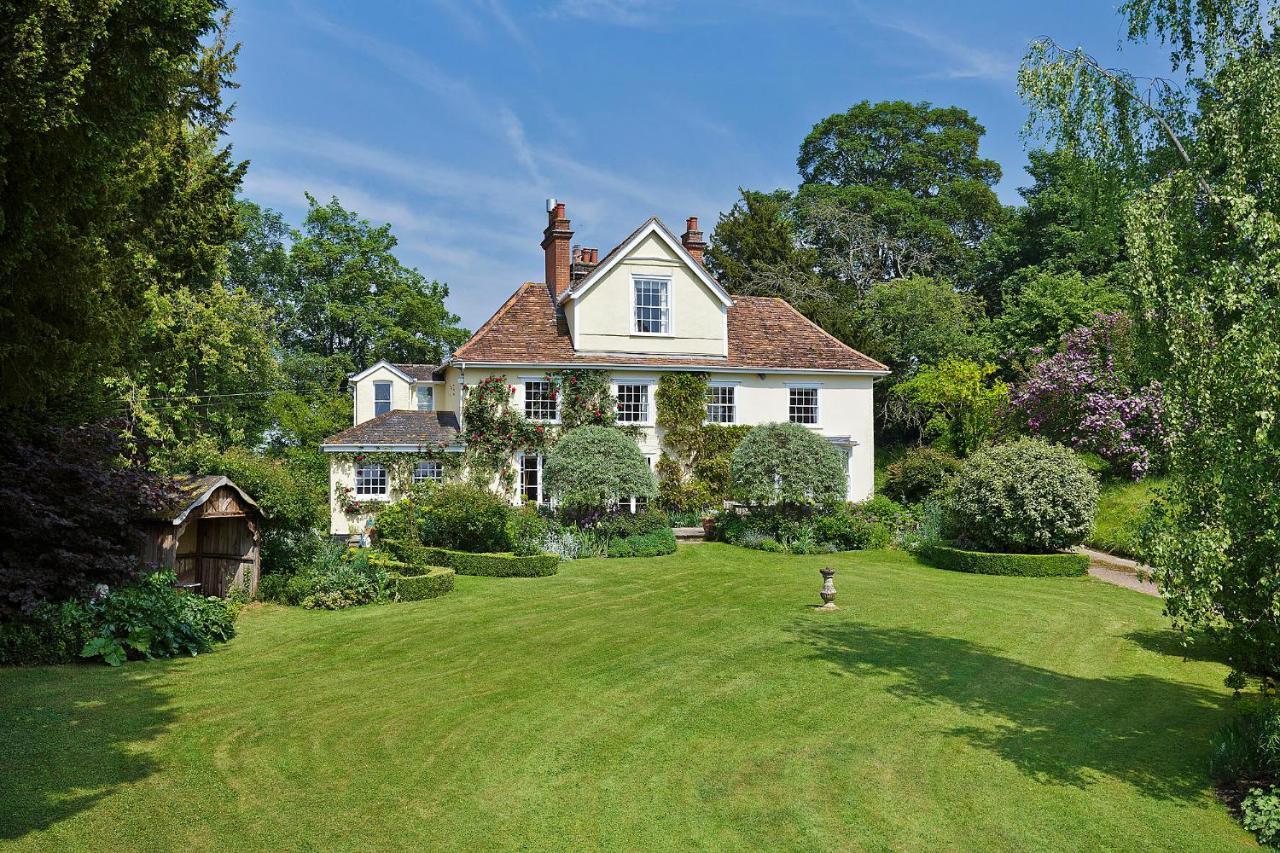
x=645 y=308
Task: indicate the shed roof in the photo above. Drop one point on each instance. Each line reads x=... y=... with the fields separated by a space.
x=192 y=492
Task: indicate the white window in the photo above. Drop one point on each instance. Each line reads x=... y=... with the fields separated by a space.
x=428 y=469
x=371 y=480
x=539 y=400
x=653 y=306
x=722 y=405
x=531 y=478
x=633 y=404
x=636 y=503
x=803 y=405
x=381 y=398
x=426 y=398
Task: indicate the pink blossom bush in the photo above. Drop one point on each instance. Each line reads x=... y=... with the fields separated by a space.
x=1081 y=397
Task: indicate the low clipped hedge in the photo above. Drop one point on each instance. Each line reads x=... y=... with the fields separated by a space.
x=655 y=543
x=435 y=583
x=494 y=565
x=1024 y=565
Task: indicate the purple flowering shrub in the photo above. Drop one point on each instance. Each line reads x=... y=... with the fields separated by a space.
x=1082 y=397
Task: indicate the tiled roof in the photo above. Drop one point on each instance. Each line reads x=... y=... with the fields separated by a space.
x=764 y=332
x=422 y=372
x=401 y=427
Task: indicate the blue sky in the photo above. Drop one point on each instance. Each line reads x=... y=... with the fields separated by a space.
x=454 y=120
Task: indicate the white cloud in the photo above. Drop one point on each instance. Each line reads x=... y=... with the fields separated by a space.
x=964 y=61
x=623 y=13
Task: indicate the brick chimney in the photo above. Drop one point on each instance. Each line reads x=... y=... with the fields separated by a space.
x=584 y=261
x=692 y=239
x=556 y=243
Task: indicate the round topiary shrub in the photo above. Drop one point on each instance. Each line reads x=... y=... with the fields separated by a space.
x=786 y=464
x=593 y=468
x=464 y=517
x=1025 y=497
x=919 y=473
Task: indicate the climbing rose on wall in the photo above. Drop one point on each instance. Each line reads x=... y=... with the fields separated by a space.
x=1081 y=397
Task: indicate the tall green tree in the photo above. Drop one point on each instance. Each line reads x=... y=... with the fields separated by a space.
x=1203 y=242
x=109 y=115
x=756 y=233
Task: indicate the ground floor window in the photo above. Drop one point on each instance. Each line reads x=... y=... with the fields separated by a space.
x=638 y=503
x=428 y=470
x=371 y=480
x=531 y=478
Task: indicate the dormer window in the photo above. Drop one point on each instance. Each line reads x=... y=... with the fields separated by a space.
x=652 y=306
x=381 y=398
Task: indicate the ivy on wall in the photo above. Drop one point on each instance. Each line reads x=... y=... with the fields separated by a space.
x=585 y=396
x=400 y=466
x=693 y=471
x=495 y=431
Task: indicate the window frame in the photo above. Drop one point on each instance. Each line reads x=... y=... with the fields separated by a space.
x=732 y=405
x=438 y=467
x=391 y=395
x=792 y=388
x=525 y=382
x=636 y=503
x=359 y=476
x=664 y=306
x=647 y=385
x=539 y=490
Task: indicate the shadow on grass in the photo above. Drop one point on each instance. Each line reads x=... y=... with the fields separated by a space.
x=71 y=735
x=1195 y=646
x=1061 y=729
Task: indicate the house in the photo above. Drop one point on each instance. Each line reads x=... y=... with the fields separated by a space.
x=648 y=306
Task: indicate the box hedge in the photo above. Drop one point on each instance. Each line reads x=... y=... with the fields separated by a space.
x=1025 y=565
x=655 y=543
x=435 y=583
x=494 y=565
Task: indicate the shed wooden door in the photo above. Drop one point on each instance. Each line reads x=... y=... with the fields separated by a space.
x=226 y=554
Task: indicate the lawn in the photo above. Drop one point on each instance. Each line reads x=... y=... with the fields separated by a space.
x=690 y=701
x=1121 y=505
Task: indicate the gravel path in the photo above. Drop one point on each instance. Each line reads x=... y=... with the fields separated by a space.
x=1119 y=571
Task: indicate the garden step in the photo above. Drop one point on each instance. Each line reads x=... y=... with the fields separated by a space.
x=689 y=534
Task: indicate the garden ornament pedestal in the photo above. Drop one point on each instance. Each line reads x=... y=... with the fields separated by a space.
x=828 y=589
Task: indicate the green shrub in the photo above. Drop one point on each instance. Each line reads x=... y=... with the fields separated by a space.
x=654 y=543
x=527 y=530
x=153 y=619
x=1025 y=565
x=624 y=524
x=848 y=528
x=272 y=588
x=788 y=465
x=433 y=584
x=401 y=521
x=1260 y=809
x=1023 y=497
x=1247 y=748
x=339 y=577
x=51 y=633
x=494 y=565
x=465 y=517
x=919 y=473
x=594 y=468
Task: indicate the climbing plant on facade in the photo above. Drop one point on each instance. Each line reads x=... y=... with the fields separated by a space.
x=495 y=431
x=694 y=469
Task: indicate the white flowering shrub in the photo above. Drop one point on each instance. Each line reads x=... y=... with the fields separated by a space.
x=1025 y=497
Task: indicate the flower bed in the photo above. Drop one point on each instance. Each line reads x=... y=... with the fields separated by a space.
x=1025 y=565
x=494 y=565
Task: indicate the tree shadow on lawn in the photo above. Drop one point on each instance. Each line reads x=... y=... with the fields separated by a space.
x=1145 y=731
x=70 y=735
x=1194 y=645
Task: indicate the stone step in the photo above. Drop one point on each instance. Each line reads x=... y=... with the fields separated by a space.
x=689 y=534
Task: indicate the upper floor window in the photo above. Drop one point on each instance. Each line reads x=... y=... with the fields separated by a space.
x=539 y=400
x=722 y=404
x=803 y=405
x=653 y=306
x=633 y=404
x=371 y=481
x=426 y=398
x=428 y=469
x=381 y=398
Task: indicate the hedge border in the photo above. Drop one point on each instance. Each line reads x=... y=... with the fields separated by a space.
x=1015 y=565
x=495 y=565
x=655 y=543
x=436 y=582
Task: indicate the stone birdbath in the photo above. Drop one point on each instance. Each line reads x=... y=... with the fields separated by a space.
x=828 y=589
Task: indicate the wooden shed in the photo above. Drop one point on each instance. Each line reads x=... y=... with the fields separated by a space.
x=210 y=537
